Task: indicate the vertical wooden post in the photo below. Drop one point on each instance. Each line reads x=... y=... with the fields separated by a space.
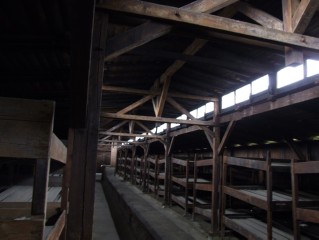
x=83 y=138
x=269 y=196
x=113 y=155
x=167 y=167
x=216 y=169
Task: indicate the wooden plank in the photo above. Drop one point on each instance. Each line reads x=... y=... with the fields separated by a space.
x=260 y=16
x=22 y=229
x=211 y=21
x=26 y=109
x=179 y=161
x=40 y=187
x=226 y=136
x=306 y=167
x=248 y=163
x=308 y=215
x=133 y=135
x=184 y=131
x=303 y=15
x=58 y=150
x=289 y=100
x=204 y=186
x=155 y=119
x=58 y=227
x=151 y=30
x=203 y=163
x=135 y=104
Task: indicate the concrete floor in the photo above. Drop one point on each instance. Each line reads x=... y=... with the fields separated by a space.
x=103 y=225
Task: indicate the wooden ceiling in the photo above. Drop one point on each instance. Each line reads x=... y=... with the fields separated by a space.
x=162 y=57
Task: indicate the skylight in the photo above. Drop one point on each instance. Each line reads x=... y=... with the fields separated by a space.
x=260 y=85
x=209 y=107
x=194 y=113
x=312 y=67
x=289 y=75
x=228 y=100
x=201 y=111
x=242 y=94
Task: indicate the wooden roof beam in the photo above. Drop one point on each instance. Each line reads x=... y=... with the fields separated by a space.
x=155 y=119
x=303 y=15
x=132 y=135
x=260 y=17
x=108 y=88
x=211 y=21
x=151 y=30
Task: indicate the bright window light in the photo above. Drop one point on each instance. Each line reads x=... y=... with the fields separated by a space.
x=228 y=100
x=312 y=67
x=243 y=94
x=182 y=117
x=174 y=125
x=153 y=130
x=130 y=140
x=161 y=128
x=209 y=107
x=194 y=113
x=260 y=85
x=289 y=75
x=201 y=111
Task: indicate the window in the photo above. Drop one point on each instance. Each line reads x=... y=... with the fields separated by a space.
x=289 y=75
x=312 y=67
x=201 y=111
x=260 y=85
x=243 y=94
x=209 y=107
x=228 y=100
x=194 y=113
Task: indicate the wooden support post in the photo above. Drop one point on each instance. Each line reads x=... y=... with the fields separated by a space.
x=83 y=140
x=40 y=187
x=168 y=164
x=269 y=196
x=216 y=170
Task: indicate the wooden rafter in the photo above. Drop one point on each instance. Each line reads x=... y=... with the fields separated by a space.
x=146 y=129
x=117 y=126
x=151 y=30
x=133 y=135
x=108 y=88
x=177 y=106
x=135 y=104
x=260 y=17
x=155 y=119
x=211 y=21
x=165 y=78
x=303 y=15
x=226 y=136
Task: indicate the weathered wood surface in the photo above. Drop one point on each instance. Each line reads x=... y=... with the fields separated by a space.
x=56 y=231
x=23 y=229
x=58 y=150
x=151 y=30
x=254 y=229
x=26 y=127
x=306 y=167
x=155 y=119
x=211 y=21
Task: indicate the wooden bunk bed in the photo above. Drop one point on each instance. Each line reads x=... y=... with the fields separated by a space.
x=301 y=212
x=202 y=206
x=182 y=183
x=156 y=175
x=26 y=128
x=263 y=197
